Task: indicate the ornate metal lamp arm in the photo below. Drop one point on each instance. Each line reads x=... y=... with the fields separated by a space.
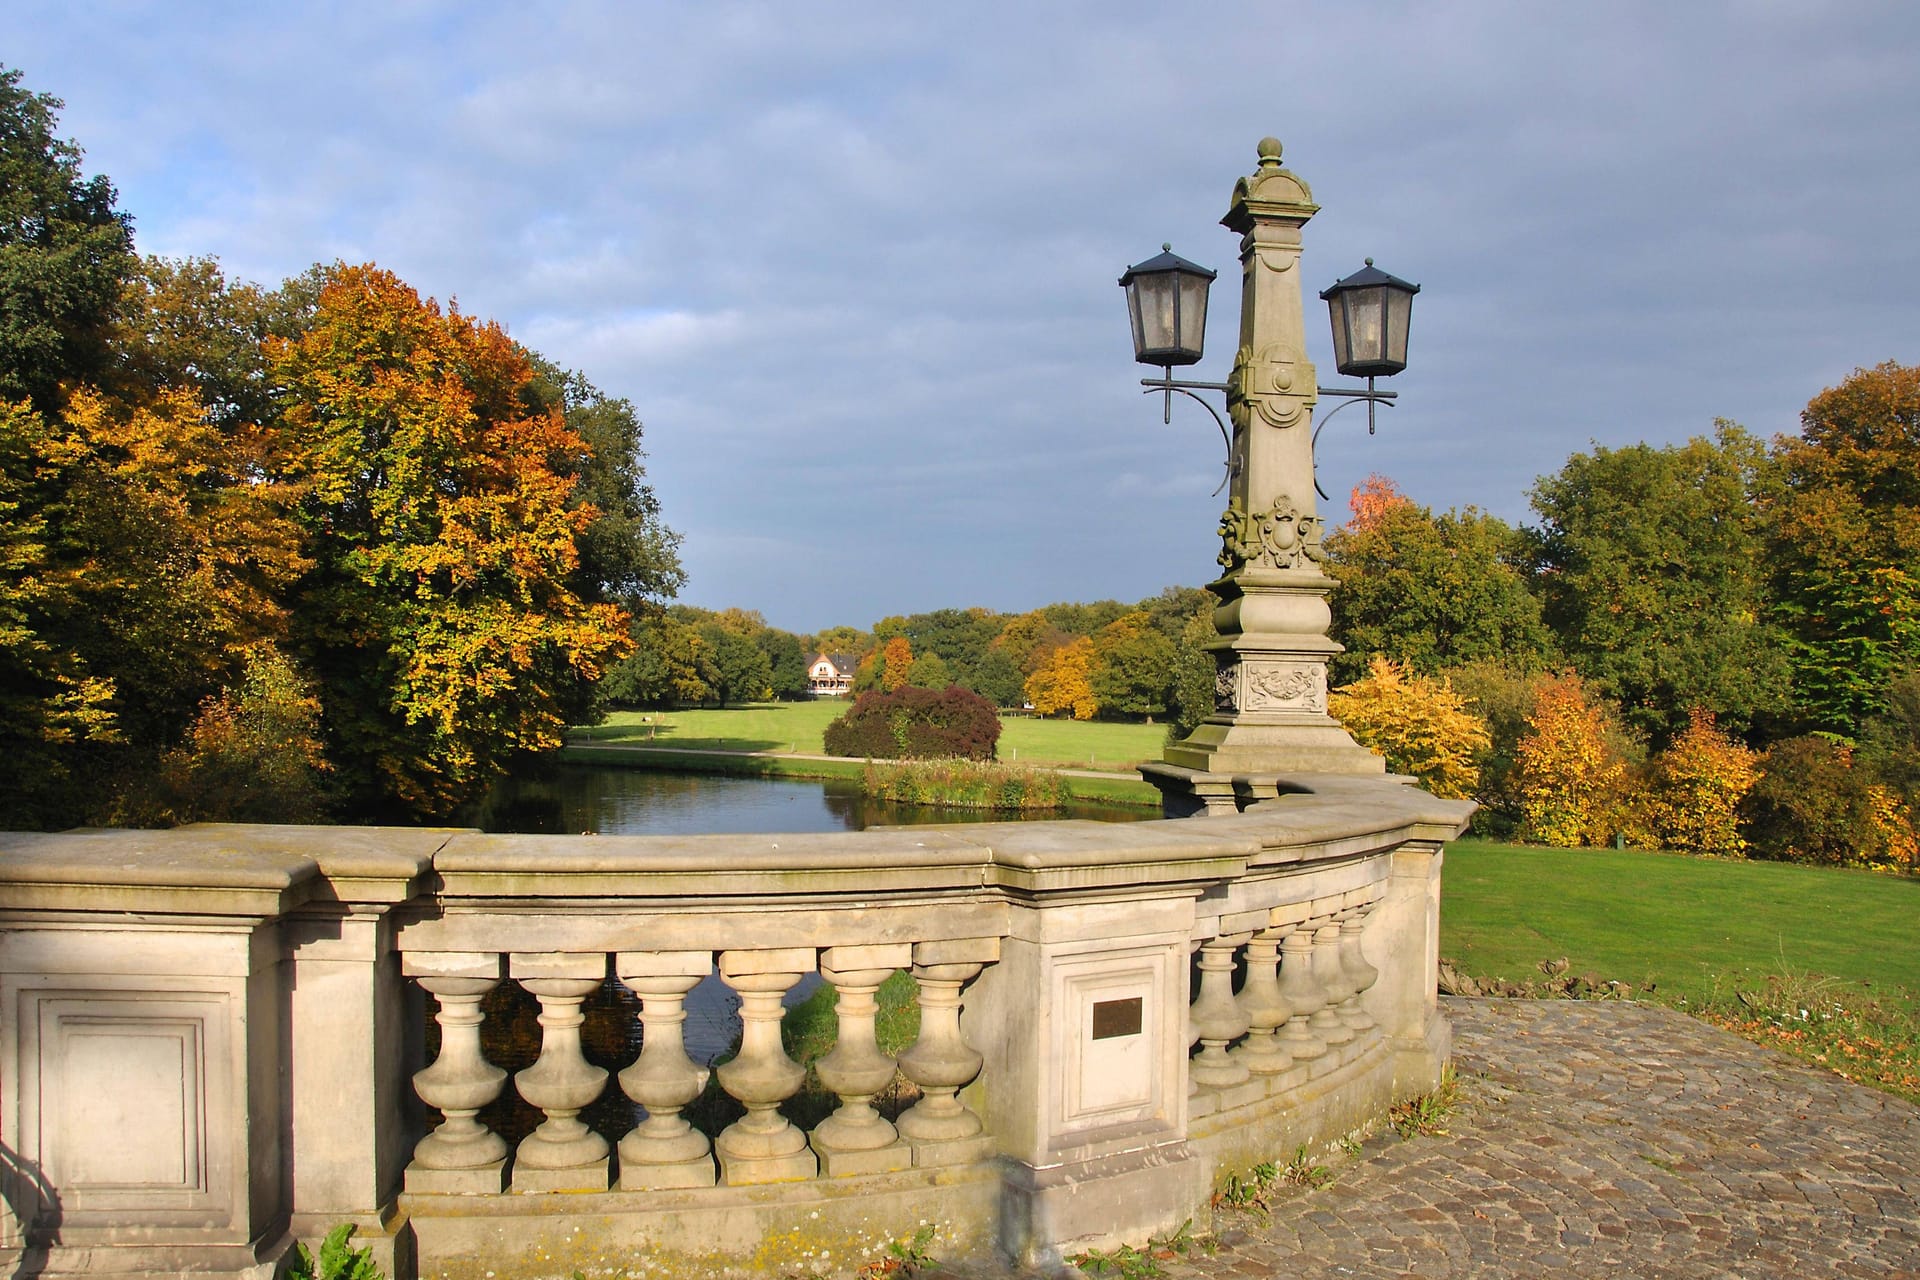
x=1168 y=384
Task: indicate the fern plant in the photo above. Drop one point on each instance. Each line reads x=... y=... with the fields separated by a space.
x=337 y=1261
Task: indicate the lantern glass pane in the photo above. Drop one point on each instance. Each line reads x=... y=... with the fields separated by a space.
x=1193 y=313
x=1399 y=314
x=1133 y=313
x=1156 y=311
x=1337 y=311
x=1366 y=324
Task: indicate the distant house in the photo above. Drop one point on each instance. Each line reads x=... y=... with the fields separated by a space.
x=829 y=675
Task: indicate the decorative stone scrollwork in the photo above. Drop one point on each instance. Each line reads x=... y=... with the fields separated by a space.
x=1226 y=684
x=1270 y=385
x=1285 y=688
x=1278 y=538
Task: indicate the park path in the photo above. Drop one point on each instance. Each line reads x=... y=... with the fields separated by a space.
x=1609 y=1139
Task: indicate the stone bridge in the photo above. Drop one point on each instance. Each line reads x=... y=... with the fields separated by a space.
x=218 y=1039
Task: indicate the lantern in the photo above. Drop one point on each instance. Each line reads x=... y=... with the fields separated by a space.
x=1167 y=299
x=1370 y=310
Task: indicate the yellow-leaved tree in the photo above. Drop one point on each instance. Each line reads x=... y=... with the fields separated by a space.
x=1064 y=682
x=1691 y=798
x=1570 y=772
x=1418 y=723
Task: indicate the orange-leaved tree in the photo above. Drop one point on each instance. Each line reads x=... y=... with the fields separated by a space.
x=1419 y=723
x=1570 y=771
x=438 y=618
x=1691 y=798
x=896 y=664
x=1064 y=682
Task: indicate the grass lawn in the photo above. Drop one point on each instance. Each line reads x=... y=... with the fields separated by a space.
x=1680 y=922
x=797 y=726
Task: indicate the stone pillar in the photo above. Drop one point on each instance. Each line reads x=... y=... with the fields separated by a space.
x=1360 y=975
x=663 y=1151
x=461 y=1155
x=1216 y=1018
x=763 y=1145
x=1403 y=942
x=1083 y=1024
x=855 y=1139
x=1326 y=1021
x=1266 y=1008
x=562 y=1154
x=1271 y=657
x=1302 y=992
x=941 y=1129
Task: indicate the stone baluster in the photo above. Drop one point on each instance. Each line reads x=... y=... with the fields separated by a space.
x=461 y=1155
x=1216 y=1018
x=856 y=1138
x=941 y=1129
x=1302 y=992
x=1326 y=1021
x=763 y=1145
x=1360 y=975
x=663 y=1150
x=1266 y=1008
x=562 y=1154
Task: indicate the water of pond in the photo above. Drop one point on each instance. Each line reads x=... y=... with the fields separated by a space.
x=577 y=799
x=574 y=799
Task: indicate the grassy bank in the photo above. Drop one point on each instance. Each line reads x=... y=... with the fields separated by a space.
x=1820 y=962
x=643 y=755
x=798 y=726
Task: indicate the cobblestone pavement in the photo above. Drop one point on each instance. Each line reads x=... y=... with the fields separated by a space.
x=1610 y=1139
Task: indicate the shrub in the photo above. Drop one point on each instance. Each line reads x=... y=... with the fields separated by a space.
x=916 y=724
x=1419 y=723
x=966 y=784
x=1691 y=798
x=1570 y=770
x=1813 y=804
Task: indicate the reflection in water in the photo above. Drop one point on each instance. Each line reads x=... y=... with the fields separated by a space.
x=587 y=799
x=576 y=799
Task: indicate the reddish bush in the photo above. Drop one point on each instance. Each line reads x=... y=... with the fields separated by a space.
x=916 y=724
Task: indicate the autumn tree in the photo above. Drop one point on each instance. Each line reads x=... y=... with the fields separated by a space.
x=1845 y=541
x=1570 y=770
x=896 y=664
x=1063 y=684
x=439 y=617
x=1690 y=800
x=1028 y=638
x=1419 y=723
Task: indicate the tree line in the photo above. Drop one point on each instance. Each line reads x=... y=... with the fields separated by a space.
x=329 y=548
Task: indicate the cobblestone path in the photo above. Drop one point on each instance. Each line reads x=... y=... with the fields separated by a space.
x=1615 y=1140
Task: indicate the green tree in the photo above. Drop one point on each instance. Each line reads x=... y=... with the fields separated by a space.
x=1430 y=591
x=786 y=660
x=1652 y=564
x=1846 y=545
x=670 y=666
x=997 y=679
x=1133 y=666
x=930 y=671
x=64 y=252
x=741 y=672
x=1191 y=692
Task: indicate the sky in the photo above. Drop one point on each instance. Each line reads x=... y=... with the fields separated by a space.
x=855 y=264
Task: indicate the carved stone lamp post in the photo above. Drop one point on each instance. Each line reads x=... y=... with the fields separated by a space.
x=1270 y=716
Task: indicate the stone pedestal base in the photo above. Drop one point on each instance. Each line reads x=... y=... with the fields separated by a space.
x=837 y=1163
x=745 y=1171
x=487 y=1180
x=957 y=1151
x=1214 y=791
x=666 y=1177
x=586 y=1177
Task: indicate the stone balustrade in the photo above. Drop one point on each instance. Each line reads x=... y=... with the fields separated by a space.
x=218 y=1039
